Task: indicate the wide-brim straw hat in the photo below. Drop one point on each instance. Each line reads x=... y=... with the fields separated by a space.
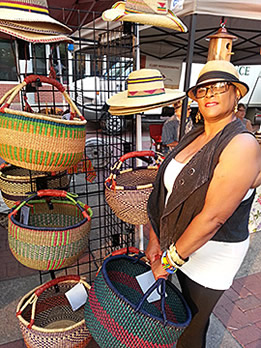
x=39 y=27
x=145 y=88
x=148 y=12
x=218 y=71
x=35 y=37
x=130 y=111
x=31 y=11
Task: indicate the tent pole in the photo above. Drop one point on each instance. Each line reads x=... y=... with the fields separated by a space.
x=138 y=124
x=189 y=58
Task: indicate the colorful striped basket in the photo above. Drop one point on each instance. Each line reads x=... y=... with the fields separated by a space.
x=40 y=142
x=47 y=320
x=127 y=191
x=57 y=231
x=117 y=313
x=17 y=183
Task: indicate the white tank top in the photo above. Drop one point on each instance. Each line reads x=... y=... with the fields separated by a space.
x=215 y=264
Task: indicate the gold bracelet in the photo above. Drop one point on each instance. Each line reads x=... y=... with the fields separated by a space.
x=176 y=259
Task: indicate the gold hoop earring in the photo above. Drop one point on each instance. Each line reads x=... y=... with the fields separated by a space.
x=198 y=116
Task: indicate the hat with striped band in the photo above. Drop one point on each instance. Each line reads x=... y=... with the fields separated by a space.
x=150 y=12
x=35 y=37
x=32 y=11
x=145 y=87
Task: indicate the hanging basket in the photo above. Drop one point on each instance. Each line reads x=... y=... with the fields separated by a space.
x=16 y=183
x=127 y=191
x=57 y=231
x=40 y=142
x=117 y=313
x=47 y=320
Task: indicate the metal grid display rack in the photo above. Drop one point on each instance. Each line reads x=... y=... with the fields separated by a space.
x=92 y=70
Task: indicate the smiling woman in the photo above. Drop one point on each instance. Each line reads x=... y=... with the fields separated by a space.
x=201 y=201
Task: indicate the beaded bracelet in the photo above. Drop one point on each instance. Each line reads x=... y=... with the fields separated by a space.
x=166 y=263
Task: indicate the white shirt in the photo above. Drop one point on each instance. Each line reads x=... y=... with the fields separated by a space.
x=215 y=264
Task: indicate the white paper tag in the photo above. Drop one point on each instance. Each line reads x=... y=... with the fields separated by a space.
x=177 y=5
x=145 y=281
x=24 y=215
x=77 y=296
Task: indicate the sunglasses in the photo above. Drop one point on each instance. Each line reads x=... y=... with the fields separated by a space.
x=216 y=88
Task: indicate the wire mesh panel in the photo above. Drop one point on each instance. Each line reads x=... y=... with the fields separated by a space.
x=92 y=70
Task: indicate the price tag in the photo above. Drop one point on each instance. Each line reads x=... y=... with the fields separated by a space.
x=24 y=215
x=77 y=296
x=146 y=280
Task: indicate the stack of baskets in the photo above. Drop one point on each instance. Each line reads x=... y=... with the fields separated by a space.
x=127 y=191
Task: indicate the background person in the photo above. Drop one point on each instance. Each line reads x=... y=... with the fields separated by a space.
x=171 y=127
x=241 y=113
x=199 y=207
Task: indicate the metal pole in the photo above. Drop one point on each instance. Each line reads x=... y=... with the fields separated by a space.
x=193 y=22
x=138 y=123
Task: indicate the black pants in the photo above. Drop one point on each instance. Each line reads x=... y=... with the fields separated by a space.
x=201 y=301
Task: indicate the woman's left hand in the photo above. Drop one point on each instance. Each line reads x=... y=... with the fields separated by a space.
x=158 y=271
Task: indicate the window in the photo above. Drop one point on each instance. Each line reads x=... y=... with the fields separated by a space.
x=7 y=62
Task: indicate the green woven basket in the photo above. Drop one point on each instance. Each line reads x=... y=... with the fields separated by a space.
x=117 y=313
x=40 y=142
x=56 y=234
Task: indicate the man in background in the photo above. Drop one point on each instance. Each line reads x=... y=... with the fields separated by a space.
x=241 y=113
x=171 y=127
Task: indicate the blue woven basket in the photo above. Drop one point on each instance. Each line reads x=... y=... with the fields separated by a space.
x=117 y=313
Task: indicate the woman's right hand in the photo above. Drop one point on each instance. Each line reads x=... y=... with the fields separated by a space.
x=153 y=251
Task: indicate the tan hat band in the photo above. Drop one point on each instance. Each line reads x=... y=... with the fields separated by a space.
x=23 y=6
x=222 y=75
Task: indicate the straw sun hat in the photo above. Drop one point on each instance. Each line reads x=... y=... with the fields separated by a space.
x=34 y=37
x=29 y=20
x=150 y=12
x=30 y=11
x=145 y=88
x=218 y=71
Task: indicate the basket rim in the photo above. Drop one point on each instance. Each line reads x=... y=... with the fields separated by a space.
x=50 y=229
x=108 y=184
x=38 y=174
x=120 y=296
x=39 y=329
x=44 y=117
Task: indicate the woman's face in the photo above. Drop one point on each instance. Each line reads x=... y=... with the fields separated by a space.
x=216 y=101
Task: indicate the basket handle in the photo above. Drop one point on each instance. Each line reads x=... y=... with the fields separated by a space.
x=33 y=78
x=134 y=154
x=54 y=282
x=33 y=298
x=122 y=251
x=160 y=285
x=85 y=209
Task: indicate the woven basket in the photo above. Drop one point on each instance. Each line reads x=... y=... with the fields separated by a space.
x=47 y=320
x=56 y=234
x=40 y=142
x=16 y=183
x=117 y=313
x=127 y=191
